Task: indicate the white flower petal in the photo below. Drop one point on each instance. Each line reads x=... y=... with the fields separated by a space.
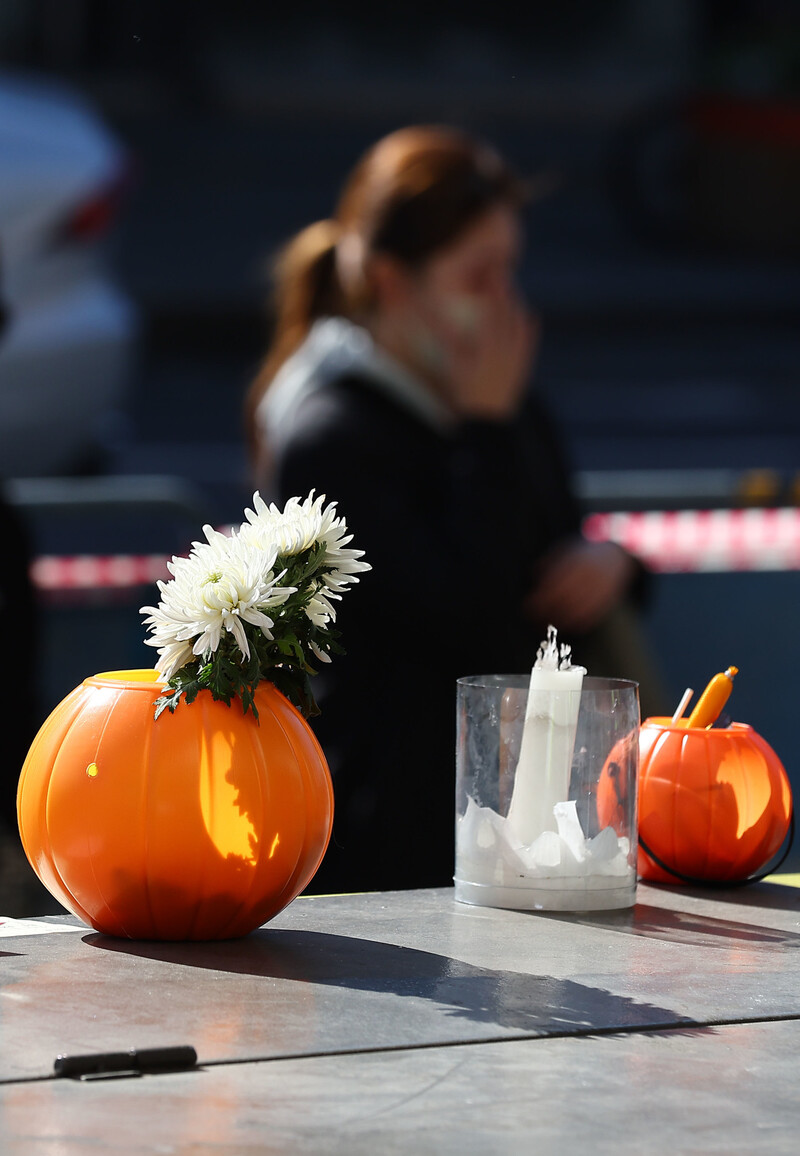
x=321 y=655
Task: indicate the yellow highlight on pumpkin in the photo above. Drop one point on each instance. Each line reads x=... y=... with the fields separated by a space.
x=91 y=770
x=227 y=822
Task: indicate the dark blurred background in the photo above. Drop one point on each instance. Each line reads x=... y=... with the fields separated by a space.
x=664 y=261
x=664 y=257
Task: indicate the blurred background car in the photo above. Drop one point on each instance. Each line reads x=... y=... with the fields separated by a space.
x=68 y=347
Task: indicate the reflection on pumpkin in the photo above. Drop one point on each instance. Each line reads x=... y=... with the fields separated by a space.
x=202 y=824
x=613 y=787
x=226 y=820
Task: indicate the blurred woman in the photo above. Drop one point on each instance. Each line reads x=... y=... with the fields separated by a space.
x=397 y=385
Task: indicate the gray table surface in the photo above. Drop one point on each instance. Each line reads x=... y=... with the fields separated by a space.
x=408 y=1022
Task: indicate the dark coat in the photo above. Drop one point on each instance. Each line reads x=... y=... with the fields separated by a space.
x=19 y=623
x=452 y=525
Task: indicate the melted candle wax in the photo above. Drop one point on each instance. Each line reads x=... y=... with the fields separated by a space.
x=541 y=838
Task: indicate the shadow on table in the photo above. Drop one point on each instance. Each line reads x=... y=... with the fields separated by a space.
x=686 y=927
x=534 y=1004
x=770 y=896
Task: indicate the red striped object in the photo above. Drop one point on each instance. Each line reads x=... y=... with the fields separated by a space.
x=705 y=540
x=666 y=540
x=52 y=572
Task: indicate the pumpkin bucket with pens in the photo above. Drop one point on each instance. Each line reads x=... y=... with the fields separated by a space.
x=715 y=803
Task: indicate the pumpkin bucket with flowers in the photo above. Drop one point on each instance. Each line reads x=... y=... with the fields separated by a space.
x=193 y=801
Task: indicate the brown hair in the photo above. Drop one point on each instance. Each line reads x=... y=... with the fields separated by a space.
x=410 y=195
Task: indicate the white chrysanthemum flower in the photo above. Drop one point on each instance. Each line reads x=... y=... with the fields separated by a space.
x=296 y=528
x=292 y=530
x=223 y=583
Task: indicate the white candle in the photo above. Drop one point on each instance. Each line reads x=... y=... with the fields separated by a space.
x=548 y=740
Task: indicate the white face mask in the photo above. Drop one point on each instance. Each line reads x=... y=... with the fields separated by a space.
x=462 y=314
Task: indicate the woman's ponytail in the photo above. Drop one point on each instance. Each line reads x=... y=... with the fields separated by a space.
x=306 y=287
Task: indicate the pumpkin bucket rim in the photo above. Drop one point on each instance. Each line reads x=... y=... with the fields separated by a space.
x=663 y=723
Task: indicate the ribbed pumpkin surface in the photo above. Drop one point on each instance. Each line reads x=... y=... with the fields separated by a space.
x=202 y=824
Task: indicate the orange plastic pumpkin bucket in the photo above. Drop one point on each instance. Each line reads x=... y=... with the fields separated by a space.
x=715 y=805
x=202 y=824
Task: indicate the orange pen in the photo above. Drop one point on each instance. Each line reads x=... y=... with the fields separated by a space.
x=713 y=699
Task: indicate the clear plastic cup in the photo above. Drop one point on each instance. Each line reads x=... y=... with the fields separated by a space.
x=555 y=830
